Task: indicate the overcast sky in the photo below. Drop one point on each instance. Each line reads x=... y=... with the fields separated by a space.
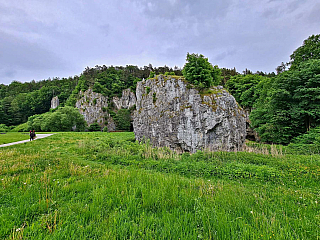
x=59 y=38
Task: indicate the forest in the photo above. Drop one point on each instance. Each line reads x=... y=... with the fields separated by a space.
x=282 y=105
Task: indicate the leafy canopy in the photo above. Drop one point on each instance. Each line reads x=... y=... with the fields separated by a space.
x=199 y=72
x=62 y=120
x=309 y=50
x=291 y=106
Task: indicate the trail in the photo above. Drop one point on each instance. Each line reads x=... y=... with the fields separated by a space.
x=39 y=136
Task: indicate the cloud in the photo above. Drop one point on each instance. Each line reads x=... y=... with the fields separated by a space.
x=41 y=39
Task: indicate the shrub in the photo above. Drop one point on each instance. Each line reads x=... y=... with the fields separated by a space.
x=148 y=90
x=123 y=119
x=62 y=120
x=3 y=128
x=94 y=127
x=24 y=127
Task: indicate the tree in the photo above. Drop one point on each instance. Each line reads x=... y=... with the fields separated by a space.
x=244 y=88
x=198 y=71
x=94 y=127
x=291 y=106
x=309 y=50
x=63 y=119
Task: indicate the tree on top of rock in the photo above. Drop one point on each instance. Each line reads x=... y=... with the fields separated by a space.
x=200 y=72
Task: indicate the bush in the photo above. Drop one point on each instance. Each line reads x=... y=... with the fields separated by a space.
x=62 y=120
x=105 y=129
x=24 y=127
x=308 y=143
x=94 y=127
x=123 y=120
x=4 y=128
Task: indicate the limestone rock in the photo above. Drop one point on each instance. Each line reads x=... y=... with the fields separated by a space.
x=54 y=102
x=127 y=100
x=171 y=114
x=91 y=106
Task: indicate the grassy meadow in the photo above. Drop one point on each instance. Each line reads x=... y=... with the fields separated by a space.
x=10 y=137
x=108 y=186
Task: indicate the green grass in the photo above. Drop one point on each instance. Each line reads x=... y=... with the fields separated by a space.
x=9 y=137
x=107 y=186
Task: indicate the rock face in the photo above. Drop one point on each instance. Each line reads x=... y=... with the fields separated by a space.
x=127 y=100
x=54 y=102
x=92 y=105
x=171 y=114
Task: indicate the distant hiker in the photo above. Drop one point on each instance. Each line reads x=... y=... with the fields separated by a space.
x=31 y=134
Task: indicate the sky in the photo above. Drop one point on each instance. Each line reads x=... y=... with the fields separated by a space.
x=58 y=38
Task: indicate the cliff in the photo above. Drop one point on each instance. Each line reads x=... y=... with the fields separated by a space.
x=97 y=108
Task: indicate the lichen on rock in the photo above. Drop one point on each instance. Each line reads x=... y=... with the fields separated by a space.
x=185 y=120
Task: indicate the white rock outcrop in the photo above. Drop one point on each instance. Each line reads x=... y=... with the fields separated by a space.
x=171 y=113
x=92 y=106
x=54 y=102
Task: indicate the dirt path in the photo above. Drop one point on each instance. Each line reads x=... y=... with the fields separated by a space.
x=39 y=136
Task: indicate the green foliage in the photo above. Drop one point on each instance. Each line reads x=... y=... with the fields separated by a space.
x=148 y=90
x=216 y=76
x=63 y=119
x=311 y=137
x=23 y=127
x=95 y=101
x=105 y=129
x=94 y=127
x=154 y=97
x=4 y=128
x=107 y=186
x=289 y=106
x=245 y=88
x=198 y=71
x=309 y=50
x=152 y=74
x=123 y=119
x=308 y=143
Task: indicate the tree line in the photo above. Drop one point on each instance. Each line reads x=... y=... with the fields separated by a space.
x=282 y=105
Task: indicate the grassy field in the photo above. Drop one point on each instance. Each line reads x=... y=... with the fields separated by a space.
x=9 y=137
x=107 y=186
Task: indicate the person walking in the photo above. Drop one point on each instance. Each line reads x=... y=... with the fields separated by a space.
x=31 y=134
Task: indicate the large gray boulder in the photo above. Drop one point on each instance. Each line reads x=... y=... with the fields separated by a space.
x=171 y=113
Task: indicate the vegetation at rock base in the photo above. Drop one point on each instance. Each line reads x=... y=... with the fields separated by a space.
x=107 y=186
x=62 y=120
x=94 y=127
